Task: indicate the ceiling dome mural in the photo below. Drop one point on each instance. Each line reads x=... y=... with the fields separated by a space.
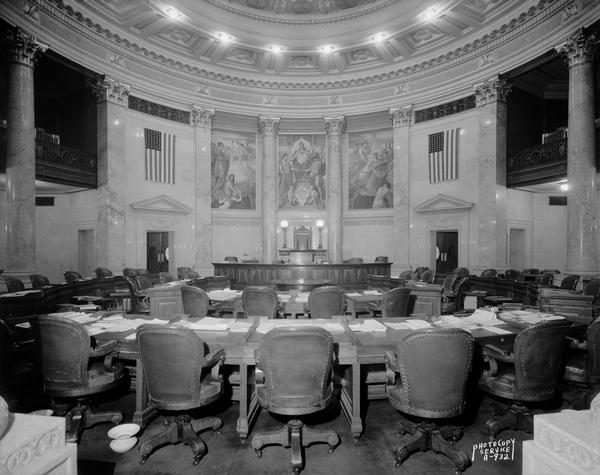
x=301 y=7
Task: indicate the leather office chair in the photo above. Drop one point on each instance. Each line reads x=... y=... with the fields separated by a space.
x=406 y=275
x=418 y=274
x=428 y=378
x=449 y=293
x=326 y=301
x=428 y=276
x=394 y=303
x=195 y=301
x=489 y=274
x=294 y=377
x=38 y=281
x=72 y=276
x=531 y=272
x=381 y=259
x=143 y=281
x=545 y=278
x=461 y=272
x=176 y=369
x=569 y=282
x=186 y=273
x=129 y=272
x=513 y=274
x=260 y=302
x=13 y=284
x=582 y=363
x=593 y=288
x=103 y=272
x=526 y=373
x=231 y=259
x=553 y=271
x=72 y=369
x=165 y=277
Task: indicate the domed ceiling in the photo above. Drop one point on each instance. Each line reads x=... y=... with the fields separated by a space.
x=302 y=39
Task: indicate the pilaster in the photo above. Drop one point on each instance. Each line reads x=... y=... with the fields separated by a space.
x=335 y=202
x=268 y=127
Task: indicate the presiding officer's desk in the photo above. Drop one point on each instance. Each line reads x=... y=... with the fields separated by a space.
x=356 y=343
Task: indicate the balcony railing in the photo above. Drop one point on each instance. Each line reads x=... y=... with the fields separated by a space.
x=538 y=164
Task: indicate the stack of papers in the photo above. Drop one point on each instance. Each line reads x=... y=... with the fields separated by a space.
x=265 y=327
x=525 y=316
x=478 y=318
x=21 y=293
x=368 y=325
x=224 y=294
x=302 y=297
x=416 y=324
x=352 y=294
x=209 y=324
x=371 y=292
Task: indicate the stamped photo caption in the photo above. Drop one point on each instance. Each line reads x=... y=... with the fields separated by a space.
x=495 y=450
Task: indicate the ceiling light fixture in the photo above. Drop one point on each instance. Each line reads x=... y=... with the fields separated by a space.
x=378 y=37
x=173 y=13
x=276 y=49
x=327 y=49
x=430 y=14
x=224 y=37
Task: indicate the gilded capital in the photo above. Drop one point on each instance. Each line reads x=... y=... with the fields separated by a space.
x=578 y=48
x=111 y=90
x=268 y=126
x=202 y=116
x=402 y=116
x=335 y=125
x=24 y=49
x=491 y=90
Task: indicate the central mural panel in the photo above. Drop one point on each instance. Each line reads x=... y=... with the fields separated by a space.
x=301 y=172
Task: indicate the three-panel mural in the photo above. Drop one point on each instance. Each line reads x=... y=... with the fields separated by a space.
x=301 y=170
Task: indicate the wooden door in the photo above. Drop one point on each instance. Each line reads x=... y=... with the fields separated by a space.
x=157 y=249
x=446 y=251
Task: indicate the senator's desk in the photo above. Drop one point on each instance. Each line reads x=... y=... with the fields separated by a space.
x=349 y=276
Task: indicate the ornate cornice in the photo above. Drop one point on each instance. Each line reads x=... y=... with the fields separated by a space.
x=299 y=20
x=158 y=110
x=491 y=90
x=335 y=125
x=443 y=110
x=23 y=48
x=111 y=90
x=578 y=48
x=402 y=116
x=268 y=126
x=202 y=116
x=497 y=37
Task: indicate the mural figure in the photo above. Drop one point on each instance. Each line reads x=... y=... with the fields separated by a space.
x=301 y=172
x=370 y=160
x=233 y=171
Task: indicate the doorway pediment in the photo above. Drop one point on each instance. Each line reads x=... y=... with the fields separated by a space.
x=441 y=202
x=161 y=204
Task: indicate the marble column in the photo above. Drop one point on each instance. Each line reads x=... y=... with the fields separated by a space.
x=202 y=119
x=267 y=127
x=20 y=157
x=335 y=194
x=490 y=97
x=578 y=52
x=402 y=119
x=111 y=239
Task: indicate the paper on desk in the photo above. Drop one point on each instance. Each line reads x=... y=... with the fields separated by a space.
x=131 y=337
x=240 y=326
x=498 y=331
x=369 y=325
x=353 y=294
x=371 y=292
x=117 y=316
x=88 y=306
x=267 y=326
x=483 y=317
x=84 y=318
x=416 y=324
x=397 y=325
x=21 y=293
x=210 y=324
x=23 y=325
x=94 y=330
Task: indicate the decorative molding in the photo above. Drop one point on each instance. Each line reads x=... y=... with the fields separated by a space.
x=443 y=110
x=335 y=125
x=202 y=116
x=368 y=222
x=23 y=48
x=578 y=48
x=31 y=10
x=443 y=203
x=268 y=126
x=158 y=110
x=111 y=90
x=402 y=116
x=161 y=204
x=492 y=90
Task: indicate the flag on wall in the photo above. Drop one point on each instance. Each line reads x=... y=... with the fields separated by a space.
x=443 y=156
x=160 y=156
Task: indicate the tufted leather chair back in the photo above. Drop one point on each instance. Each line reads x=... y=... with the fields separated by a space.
x=129 y=272
x=539 y=352
x=593 y=352
x=461 y=272
x=173 y=358
x=195 y=301
x=419 y=272
x=38 y=281
x=326 y=301
x=297 y=364
x=406 y=275
x=512 y=274
x=547 y=278
x=143 y=281
x=395 y=303
x=434 y=368
x=72 y=276
x=428 y=276
x=186 y=273
x=489 y=274
x=13 y=284
x=569 y=282
x=592 y=288
x=259 y=302
x=103 y=272
x=65 y=347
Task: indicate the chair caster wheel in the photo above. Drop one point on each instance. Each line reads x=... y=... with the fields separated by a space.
x=355 y=441
x=143 y=459
x=396 y=464
x=196 y=461
x=258 y=453
x=330 y=449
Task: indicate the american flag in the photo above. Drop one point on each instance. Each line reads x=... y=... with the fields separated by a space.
x=443 y=156
x=160 y=156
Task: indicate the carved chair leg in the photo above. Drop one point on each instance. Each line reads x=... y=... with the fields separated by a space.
x=295 y=433
x=189 y=437
x=454 y=433
x=310 y=436
x=407 y=426
x=417 y=441
x=515 y=418
x=213 y=423
x=93 y=417
x=440 y=445
x=74 y=423
x=166 y=436
x=279 y=437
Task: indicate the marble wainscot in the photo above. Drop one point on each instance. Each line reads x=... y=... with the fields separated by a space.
x=564 y=442
x=35 y=444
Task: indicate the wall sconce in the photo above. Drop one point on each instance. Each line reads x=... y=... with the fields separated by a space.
x=320 y=225
x=284 y=226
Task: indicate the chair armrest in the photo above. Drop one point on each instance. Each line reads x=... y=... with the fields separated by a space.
x=105 y=348
x=576 y=344
x=498 y=354
x=374 y=306
x=391 y=361
x=215 y=357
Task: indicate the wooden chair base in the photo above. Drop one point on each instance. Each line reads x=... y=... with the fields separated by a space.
x=517 y=417
x=295 y=435
x=428 y=436
x=83 y=417
x=181 y=429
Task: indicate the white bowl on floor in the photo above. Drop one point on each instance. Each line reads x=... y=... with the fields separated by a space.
x=123 y=445
x=123 y=431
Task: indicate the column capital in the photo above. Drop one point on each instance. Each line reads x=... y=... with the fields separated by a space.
x=23 y=48
x=268 y=126
x=335 y=125
x=202 y=116
x=578 y=48
x=111 y=90
x=492 y=90
x=402 y=116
